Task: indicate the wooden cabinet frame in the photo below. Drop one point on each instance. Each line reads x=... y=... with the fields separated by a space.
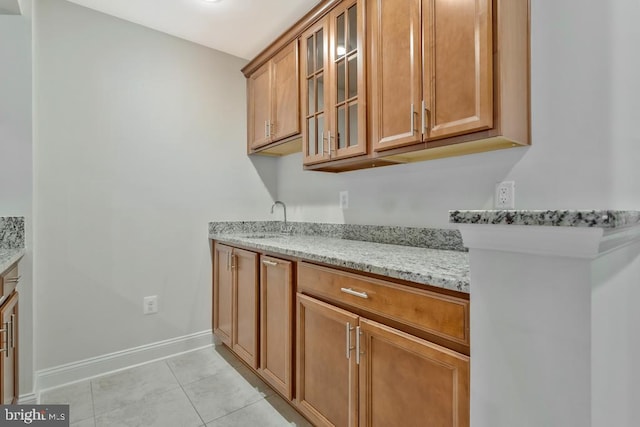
x=9 y=337
x=235 y=301
x=276 y=324
x=273 y=100
x=359 y=340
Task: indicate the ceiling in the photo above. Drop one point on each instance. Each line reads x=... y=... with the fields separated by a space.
x=239 y=27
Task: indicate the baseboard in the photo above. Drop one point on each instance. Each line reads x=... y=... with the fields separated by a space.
x=101 y=365
x=28 y=399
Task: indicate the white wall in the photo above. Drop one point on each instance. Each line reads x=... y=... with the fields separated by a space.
x=15 y=159
x=585 y=110
x=140 y=141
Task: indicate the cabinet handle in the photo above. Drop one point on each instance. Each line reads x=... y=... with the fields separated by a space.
x=329 y=143
x=13 y=331
x=424 y=118
x=348 y=331
x=233 y=261
x=354 y=293
x=12 y=279
x=266 y=128
x=5 y=341
x=267 y=262
x=413 y=119
x=358 y=345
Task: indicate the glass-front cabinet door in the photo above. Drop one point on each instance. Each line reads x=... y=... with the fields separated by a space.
x=314 y=68
x=334 y=86
x=347 y=106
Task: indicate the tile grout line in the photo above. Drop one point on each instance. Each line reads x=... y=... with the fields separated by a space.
x=93 y=404
x=185 y=393
x=236 y=410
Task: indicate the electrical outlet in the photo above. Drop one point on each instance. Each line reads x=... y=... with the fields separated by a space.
x=505 y=195
x=344 y=200
x=150 y=304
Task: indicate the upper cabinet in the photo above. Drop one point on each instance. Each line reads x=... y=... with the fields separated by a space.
x=431 y=69
x=333 y=85
x=273 y=99
x=447 y=78
x=394 y=81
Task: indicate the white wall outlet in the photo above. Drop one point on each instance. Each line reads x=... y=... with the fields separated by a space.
x=150 y=304
x=505 y=195
x=344 y=200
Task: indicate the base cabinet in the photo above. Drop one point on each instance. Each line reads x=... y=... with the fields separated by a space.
x=235 y=301
x=326 y=363
x=276 y=324
x=344 y=349
x=9 y=338
x=354 y=371
x=407 y=381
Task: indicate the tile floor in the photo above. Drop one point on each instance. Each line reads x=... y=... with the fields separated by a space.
x=207 y=387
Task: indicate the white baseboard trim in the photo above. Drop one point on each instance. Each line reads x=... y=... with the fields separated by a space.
x=28 y=399
x=119 y=360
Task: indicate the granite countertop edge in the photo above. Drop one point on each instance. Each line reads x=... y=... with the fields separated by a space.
x=8 y=257
x=607 y=219
x=441 y=268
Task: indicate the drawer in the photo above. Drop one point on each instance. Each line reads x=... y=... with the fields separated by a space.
x=442 y=315
x=8 y=281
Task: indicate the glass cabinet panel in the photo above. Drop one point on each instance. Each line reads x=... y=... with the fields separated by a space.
x=314 y=66
x=353 y=76
x=341 y=47
x=319 y=50
x=340 y=80
x=345 y=72
x=353 y=29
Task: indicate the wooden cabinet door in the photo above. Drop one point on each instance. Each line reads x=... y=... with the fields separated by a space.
x=9 y=337
x=391 y=391
x=395 y=67
x=222 y=293
x=347 y=96
x=276 y=323
x=458 y=66
x=285 y=107
x=259 y=103
x=314 y=86
x=326 y=365
x=245 y=332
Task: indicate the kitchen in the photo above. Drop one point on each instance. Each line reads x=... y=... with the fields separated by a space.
x=123 y=152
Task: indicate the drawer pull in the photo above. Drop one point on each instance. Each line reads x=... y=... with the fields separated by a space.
x=13 y=331
x=271 y=263
x=358 y=333
x=12 y=279
x=354 y=293
x=5 y=349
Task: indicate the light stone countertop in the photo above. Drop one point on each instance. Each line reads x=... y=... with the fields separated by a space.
x=607 y=219
x=8 y=257
x=437 y=267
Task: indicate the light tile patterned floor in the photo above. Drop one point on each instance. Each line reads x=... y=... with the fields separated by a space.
x=205 y=387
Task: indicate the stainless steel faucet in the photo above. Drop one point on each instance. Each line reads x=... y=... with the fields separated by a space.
x=284 y=228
